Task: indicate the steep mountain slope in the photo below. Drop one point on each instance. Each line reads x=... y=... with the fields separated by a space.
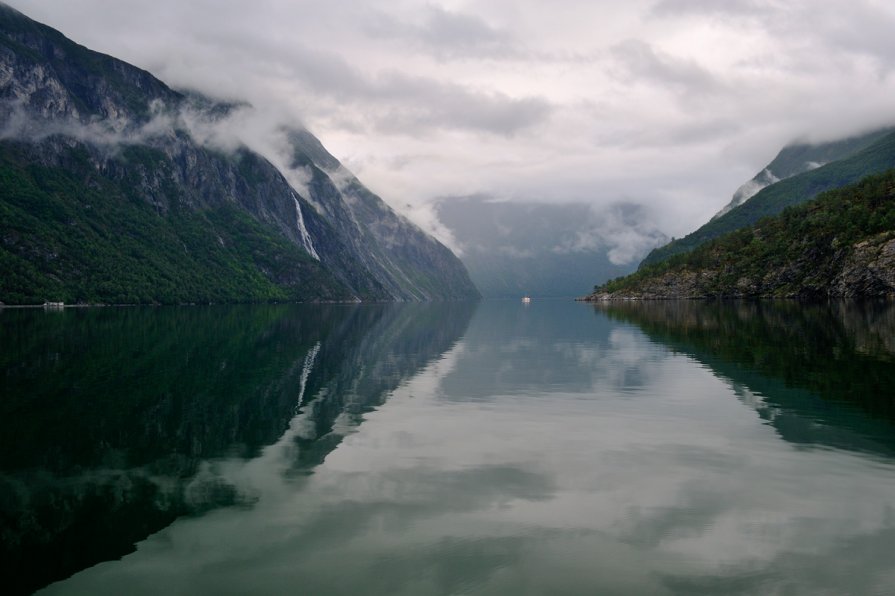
x=801 y=157
x=840 y=245
x=405 y=260
x=542 y=249
x=877 y=156
x=69 y=233
x=115 y=190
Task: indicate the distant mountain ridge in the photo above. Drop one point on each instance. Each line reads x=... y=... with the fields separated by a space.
x=113 y=189
x=797 y=174
x=546 y=250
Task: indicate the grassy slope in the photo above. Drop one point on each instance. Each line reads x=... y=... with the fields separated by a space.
x=772 y=200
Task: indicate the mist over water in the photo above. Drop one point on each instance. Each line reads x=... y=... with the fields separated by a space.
x=450 y=448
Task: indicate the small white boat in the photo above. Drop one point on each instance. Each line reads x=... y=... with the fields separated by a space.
x=526 y=299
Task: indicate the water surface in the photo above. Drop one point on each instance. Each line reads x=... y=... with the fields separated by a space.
x=670 y=448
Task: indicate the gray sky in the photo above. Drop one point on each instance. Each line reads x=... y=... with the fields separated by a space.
x=669 y=103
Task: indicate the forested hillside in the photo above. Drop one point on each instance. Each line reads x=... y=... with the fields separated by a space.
x=877 y=157
x=840 y=245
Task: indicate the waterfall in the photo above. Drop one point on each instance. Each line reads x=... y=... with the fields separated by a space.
x=305 y=236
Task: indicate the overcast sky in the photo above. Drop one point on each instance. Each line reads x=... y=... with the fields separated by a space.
x=669 y=103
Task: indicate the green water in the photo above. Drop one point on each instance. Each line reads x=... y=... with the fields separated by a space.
x=493 y=448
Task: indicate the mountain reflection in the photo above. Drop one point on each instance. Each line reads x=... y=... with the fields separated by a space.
x=820 y=374
x=111 y=420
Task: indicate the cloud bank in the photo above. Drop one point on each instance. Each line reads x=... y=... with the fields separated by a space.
x=671 y=103
x=624 y=231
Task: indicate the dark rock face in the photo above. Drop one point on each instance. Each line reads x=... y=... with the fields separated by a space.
x=869 y=270
x=112 y=127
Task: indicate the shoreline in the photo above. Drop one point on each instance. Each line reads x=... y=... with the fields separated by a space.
x=161 y=305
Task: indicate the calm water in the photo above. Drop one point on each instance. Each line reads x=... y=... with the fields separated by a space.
x=558 y=448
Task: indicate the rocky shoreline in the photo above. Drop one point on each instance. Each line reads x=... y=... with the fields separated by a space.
x=865 y=270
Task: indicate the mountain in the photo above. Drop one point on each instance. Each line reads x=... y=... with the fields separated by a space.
x=409 y=263
x=840 y=245
x=794 y=176
x=117 y=188
x=798 y=158
x=543 y=249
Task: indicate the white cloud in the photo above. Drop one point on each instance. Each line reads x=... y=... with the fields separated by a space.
x=673 y=103
x=110 y=133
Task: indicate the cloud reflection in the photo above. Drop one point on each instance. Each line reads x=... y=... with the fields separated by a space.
x=666 y=485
